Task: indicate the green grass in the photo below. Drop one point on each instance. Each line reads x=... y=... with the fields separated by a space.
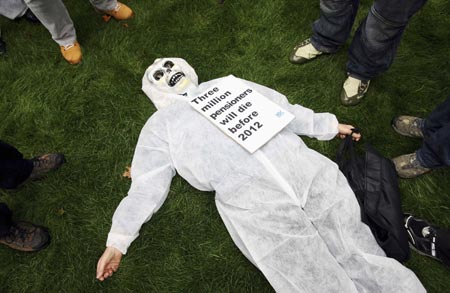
x=93 y=113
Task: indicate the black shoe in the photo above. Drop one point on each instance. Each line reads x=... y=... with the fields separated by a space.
x=29 y=15
x=44 y=164
x=421 y=236
x=24 y=236
x=2 y=47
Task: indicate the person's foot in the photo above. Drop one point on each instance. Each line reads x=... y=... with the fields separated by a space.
x=24 y=236
x=120 y=12
x=29 y=15
x=303 y=52
x=407 y=166
x=72 y=53
x=421 y=236
x=2 y=47
x=408 y=126
x=44 y=164
x=353 y=91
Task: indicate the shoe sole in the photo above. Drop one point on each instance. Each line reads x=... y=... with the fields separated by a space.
x=352 y=101
x=104 y=13
x=423 y=253
x=303 y=60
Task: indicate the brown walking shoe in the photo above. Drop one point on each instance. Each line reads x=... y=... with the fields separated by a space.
x=72 y=53
x=408 y=125
x=407 y=166
x=45 y=163
x=26 y=236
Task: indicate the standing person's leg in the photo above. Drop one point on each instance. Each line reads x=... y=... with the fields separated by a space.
x=5 y=220
x=12 y=9
x=330 y=31
x=54 y=16
x=437 y=118
x=104 y=5
x=375 y=43
x=14 y=169
x=333 y=27
x=435 y=150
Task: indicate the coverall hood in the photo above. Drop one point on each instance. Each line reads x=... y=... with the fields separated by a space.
x=167 y=80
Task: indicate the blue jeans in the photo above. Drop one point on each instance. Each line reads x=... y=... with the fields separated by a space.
x=435 y=150
x=375 y=42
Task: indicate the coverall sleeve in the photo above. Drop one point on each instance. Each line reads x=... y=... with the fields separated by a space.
x=323 y=126
x=152 y=171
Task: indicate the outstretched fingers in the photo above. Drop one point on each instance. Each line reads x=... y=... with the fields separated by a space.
x=108 y=263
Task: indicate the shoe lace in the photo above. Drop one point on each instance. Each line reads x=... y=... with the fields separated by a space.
x=67 y=47
x=305 y=42
x=17 y=232
x=430 y=233
x=417 y=125
x=414 y=163
x=364 y=85
x=40 y=161
x=44 y=161
x=117 y=8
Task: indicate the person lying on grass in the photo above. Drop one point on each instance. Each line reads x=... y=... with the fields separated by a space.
x=287 y=208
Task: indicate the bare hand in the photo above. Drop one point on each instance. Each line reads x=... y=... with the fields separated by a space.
x=345 y=129
x=108 y=263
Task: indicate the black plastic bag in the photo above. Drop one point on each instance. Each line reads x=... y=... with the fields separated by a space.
x=374 y=181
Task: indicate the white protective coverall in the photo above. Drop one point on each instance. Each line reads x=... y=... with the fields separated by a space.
x=288 y=208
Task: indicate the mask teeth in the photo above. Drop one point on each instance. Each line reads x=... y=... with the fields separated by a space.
x=175 y=78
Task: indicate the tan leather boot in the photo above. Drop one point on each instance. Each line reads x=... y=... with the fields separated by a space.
x=72 y=53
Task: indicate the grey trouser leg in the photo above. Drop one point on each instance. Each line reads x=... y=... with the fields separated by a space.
x=104 y=4
x=54 y=16
x=12 y=8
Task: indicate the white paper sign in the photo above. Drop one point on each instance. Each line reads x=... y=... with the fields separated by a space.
x=241 y=112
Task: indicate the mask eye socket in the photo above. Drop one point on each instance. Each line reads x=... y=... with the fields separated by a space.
x=168 y=64
x=158 y=74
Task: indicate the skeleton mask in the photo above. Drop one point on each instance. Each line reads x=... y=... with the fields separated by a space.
x=168 y=78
